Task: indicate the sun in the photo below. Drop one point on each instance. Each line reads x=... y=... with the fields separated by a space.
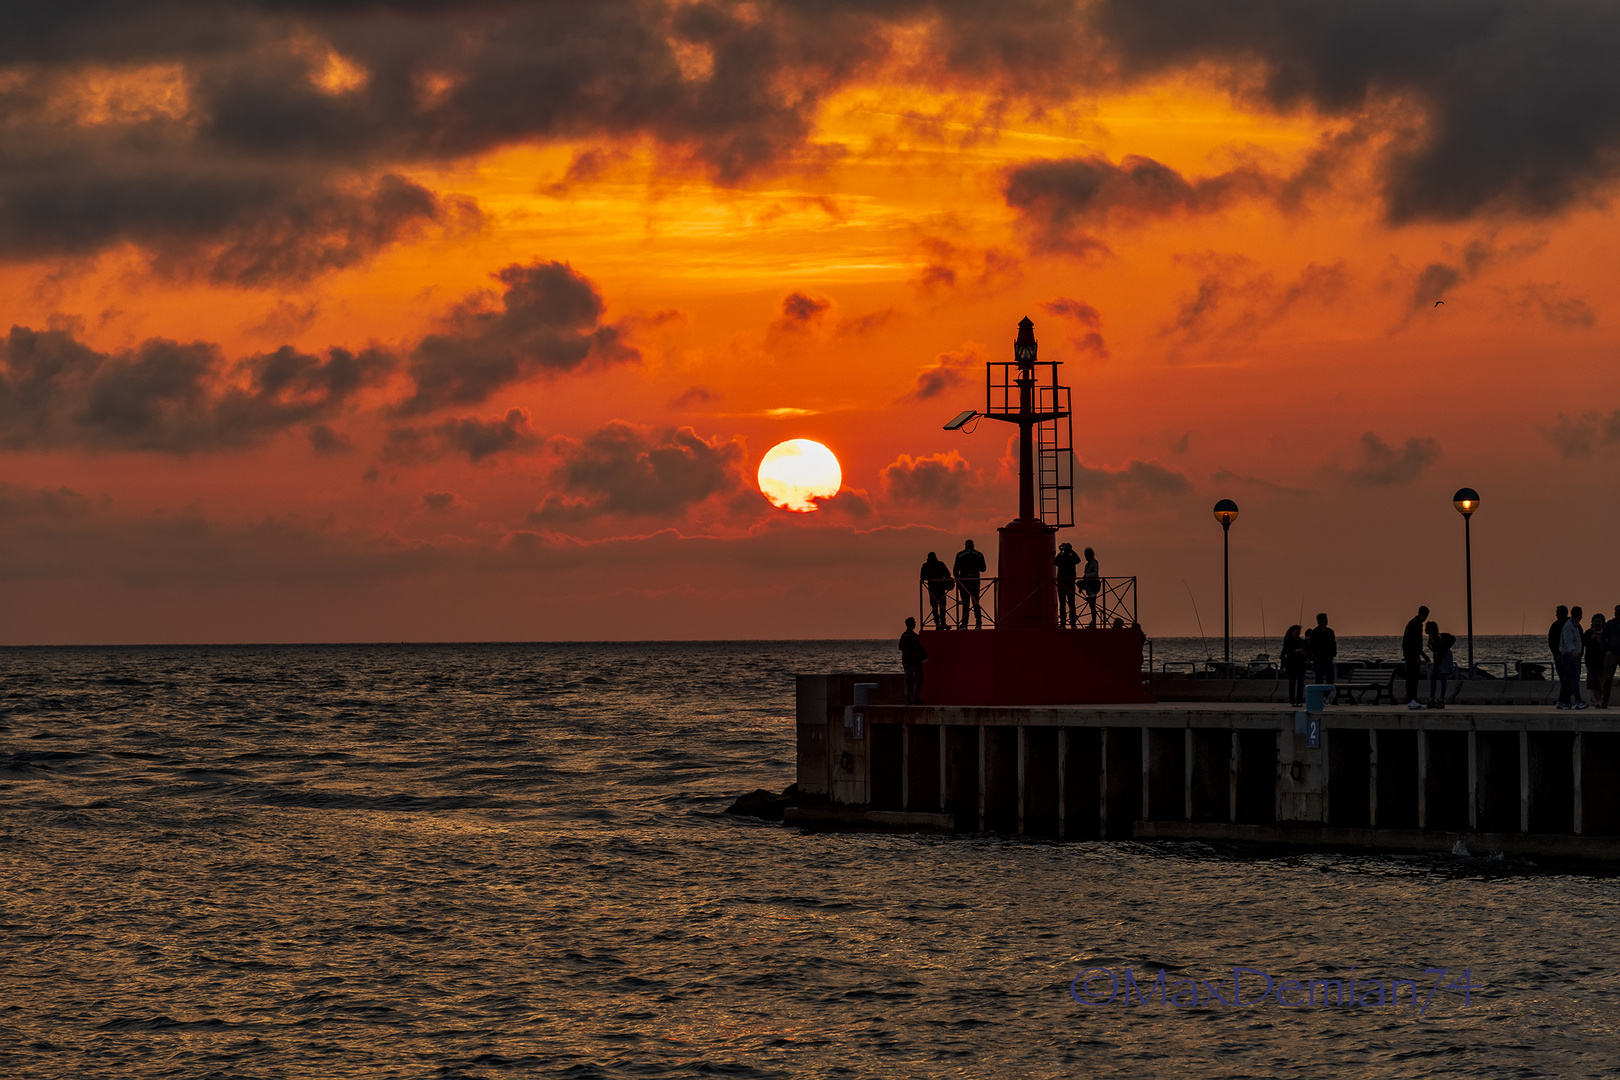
x=797 y=472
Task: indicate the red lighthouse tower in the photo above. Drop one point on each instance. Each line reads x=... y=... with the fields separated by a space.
x=1025 y=656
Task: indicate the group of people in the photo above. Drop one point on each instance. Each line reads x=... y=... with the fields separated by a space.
x=1598 y=645
x=969 y=566
x=964 y=574
x=1316 y=648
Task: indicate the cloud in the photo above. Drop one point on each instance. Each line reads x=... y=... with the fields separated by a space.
x=1087 y=316
x=1516 y=104
x=476 y=436
x=1550 y=302
x=328 y=442
x=1135 y=483
x=547 y=321
x=947 y=265
x=441 y=502
x=1233 y=300
x=637 y=471
x=949 y=370
x=1378 y=464
x=694 y=396
x=936 y=480
x=1061 y=203
x=1577 y=436
x=167 y=396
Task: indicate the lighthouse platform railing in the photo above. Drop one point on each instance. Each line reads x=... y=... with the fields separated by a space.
x=1111 y=605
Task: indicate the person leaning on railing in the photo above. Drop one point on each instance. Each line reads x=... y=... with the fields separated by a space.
x=936 y=578
x=1091 y=584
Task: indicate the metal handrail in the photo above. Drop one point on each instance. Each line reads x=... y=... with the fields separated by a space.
x=957 y=606
x=1115 y=603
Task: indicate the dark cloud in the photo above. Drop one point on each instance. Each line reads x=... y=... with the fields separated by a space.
x=1138 y=482
x=1063 y=202
x=1234 y=300
x=949 y=370
x=799 y=310
x=1577 y=436
x=694 y=396
x=625 y=469
x=56 y=392
x=547 y=321
x=441 y=502
x=1551 y=303
x=327 y=441
x=263 y=140
x=947 y=265
x=1378 y=464
x=936 y=480
x=1087 y=316
x=476 y=436
x=1517 y=106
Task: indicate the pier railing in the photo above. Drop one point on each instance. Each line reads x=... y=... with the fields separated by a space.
x=956 y=603
x=1106 y=603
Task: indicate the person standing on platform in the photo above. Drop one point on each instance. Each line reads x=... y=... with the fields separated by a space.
x=1441 y=667
x=1091 y=584
x=1570 y=644
x=1611 y=655
x=1294 y=655
x=968 y=566
x=1555 y=634
x=1066 y=562
x=936 y=577
x=1322 y=646
x=1412 y=655
x=912 y=655
x=1592 y=643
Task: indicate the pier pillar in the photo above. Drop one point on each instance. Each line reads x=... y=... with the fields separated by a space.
x=1062 y=782
x=1473 y=781
x=905 y=767
x=1575 y=768
x=1372 y=778
x=1022 y=751
x=1524 y=780
x=1233 y=766
x=1423 y=778
x=983 y=776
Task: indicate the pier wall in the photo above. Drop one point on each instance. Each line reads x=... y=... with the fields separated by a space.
x=1215 y=769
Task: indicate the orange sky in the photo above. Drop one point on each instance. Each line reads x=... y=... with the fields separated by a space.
x=1245 y=309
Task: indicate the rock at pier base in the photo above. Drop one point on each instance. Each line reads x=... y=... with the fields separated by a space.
x=762 y=803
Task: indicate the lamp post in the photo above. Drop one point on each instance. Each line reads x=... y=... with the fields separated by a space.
x=1467 y=501
x=1226 y=512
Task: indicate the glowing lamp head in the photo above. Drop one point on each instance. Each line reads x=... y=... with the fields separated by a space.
x=1226 y=512
x=1466 y=501
x=796 y=473
x=1024 y=347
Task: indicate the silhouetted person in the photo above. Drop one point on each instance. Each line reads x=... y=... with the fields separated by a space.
x=1091 y=583
x=1066 y=563
x=1293 y=655
x=1412 y=655
x=967 y=568
x=1322 y=646
x=1569 y=662
x=912 y=655
x=936 y=578
x=1555 y=635
x=1592 y=643
x=1441 y=667
x=1611 y=655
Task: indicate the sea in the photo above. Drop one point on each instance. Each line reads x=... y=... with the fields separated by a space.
x=512 y=860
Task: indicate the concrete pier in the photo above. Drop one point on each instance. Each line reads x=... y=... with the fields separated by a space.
x=1491 y=776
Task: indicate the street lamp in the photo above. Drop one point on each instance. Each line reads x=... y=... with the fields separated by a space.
x=1226 y=512
x=1467 y=501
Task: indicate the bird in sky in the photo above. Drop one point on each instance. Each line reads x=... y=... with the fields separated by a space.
x=1438 y=303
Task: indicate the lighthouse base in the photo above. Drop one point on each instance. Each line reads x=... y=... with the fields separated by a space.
x=1038 y=666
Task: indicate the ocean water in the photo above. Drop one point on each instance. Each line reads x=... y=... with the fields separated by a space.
x=495 y=860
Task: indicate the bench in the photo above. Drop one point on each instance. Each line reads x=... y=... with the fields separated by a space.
x=1353 y=691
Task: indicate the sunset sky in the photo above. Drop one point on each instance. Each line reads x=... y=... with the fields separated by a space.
x=429 y=321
